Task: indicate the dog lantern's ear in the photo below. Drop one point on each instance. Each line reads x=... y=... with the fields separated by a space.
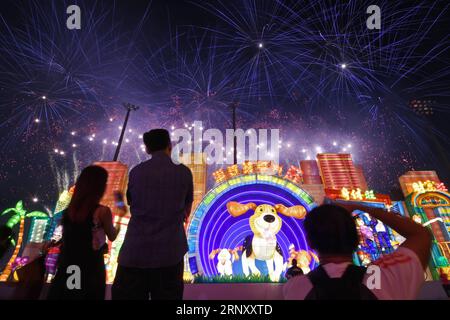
x=297 y=212
x=237 y=209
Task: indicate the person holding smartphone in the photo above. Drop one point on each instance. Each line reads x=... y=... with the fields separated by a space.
x=331 y=231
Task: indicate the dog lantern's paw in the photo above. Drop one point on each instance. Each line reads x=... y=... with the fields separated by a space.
x=274 y=277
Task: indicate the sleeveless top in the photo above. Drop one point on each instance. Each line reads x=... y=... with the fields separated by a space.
x=77 y=250
x=77 y=241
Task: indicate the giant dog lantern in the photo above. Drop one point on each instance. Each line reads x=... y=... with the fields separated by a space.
x=262 y=245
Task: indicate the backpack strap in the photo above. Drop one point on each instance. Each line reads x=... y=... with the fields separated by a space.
x=354 y=274
x=348 y=287
x=318 y=276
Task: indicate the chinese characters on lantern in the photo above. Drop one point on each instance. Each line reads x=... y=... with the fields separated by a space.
x=233 y=171
x=369 y=195
x=428 y=186
x=219 y=176
x=357 y=194
x=248 y=167
x=259 y=167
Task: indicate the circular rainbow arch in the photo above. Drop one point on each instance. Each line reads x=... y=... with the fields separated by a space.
x=211 y=227
x=431 y=199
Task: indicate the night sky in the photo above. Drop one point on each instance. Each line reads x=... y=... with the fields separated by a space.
x=61 y=90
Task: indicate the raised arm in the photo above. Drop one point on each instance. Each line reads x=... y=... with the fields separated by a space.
x=418 y=238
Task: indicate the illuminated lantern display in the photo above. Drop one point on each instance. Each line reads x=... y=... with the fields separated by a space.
x=222 y=226
x=233 y=171
x=51 y=261
x=429 y=205
x=375 y=238
x=64 y=200
x=55 y=231
x=248 y=167
x=61 y=205
x=369 y=195
x=16 y=218
x=428 y=186
x=198 y=167
x=413 y=179
x=345 y=194
x=219 y=176
x=356 y=194
x=311 y=172
x=17 y=264
x=294 y=174
x=263 y=167
x=303 y=258
x=441 y=187
x=338 y=171
x=277 y=169
x=227 y=219
x=417 y=218
x=37 y=230
x=117 y=183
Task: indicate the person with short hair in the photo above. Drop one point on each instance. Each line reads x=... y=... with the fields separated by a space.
x=331 y=231
x=160 y=195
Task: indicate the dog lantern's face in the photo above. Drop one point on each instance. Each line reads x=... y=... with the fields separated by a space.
x=265 y=221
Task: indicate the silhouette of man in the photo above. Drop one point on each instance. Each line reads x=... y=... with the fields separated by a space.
x=160 y=195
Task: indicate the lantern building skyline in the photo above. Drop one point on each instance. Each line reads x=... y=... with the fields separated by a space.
x=338 y=171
